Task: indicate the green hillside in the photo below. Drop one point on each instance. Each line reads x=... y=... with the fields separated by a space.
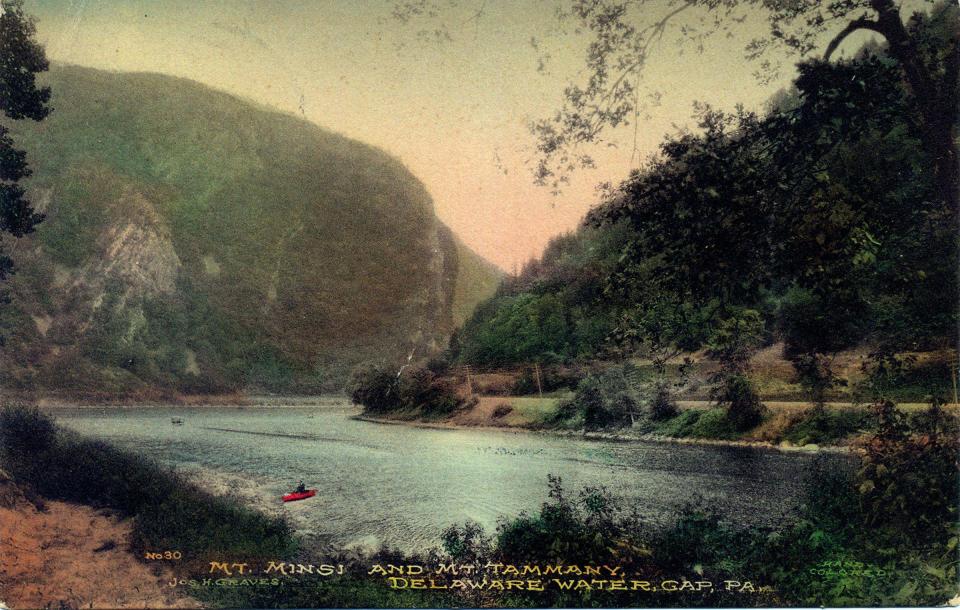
x=195 y=241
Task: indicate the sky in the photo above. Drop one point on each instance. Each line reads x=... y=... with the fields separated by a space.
x=456 y=112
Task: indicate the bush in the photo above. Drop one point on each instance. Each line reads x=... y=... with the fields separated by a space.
x=467 y=543
x=744 y=409
x=908 y=484
x=821 y=426
x=420 y=389
x=416 y=389
x=681 y=425
x=374 y=388
x=604 y=400
x=25 y=431
x=662 y=404
x=714 y=423
x=169 y=511
x=593 y=529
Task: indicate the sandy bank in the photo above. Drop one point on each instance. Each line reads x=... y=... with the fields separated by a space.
x=74 y=555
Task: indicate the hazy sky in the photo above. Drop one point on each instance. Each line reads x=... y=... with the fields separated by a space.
x=455 y=113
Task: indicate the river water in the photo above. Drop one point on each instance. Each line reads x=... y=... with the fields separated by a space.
x=403 y=485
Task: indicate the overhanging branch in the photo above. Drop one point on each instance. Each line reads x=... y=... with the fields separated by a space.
x=857 y=24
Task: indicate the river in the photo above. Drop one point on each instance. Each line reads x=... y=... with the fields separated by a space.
x=402 y=485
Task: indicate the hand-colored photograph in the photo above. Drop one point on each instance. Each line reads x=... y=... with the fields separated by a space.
x=479 y=304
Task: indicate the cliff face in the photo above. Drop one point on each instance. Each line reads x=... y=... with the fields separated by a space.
x=195 y=242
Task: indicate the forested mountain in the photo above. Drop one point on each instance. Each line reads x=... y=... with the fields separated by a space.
x=818 y=222
x=197 y=242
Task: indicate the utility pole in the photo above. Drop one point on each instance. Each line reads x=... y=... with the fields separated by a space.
x=536 y=368
x=469 y=382
x=953 y=377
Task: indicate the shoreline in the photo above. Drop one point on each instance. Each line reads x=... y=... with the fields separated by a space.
x=613 y=436
x=239 y=401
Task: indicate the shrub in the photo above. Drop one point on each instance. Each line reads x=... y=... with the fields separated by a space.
x=374 y=388
x=420 y=389
x=714 y=423
x=662 y=404
x=681 y=425
x=587 y=530
x=25 y=431
x=415 y=389
x=907 y=482
x=169 y=511
x=604 y=400
x=732 y=344
x=820 y=426
x=744 y=409
x=467 y=543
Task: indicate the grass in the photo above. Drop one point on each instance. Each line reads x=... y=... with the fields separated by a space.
x=586 y=528
x=531 y=411
x=169 y=512
x=829 y=426
x=792 y=422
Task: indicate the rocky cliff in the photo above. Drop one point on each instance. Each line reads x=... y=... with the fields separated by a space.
x=196 y=242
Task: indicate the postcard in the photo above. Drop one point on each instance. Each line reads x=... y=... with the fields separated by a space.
x=479 y=303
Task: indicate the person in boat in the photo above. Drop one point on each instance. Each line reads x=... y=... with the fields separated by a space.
x=301 y=487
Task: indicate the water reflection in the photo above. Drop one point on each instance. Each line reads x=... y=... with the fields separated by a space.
x=402 y=485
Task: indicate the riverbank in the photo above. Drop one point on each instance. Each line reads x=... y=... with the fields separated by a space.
x=615 y=436
x=405 y=481
x=213 y=400
x=787 y=426
x=75 y=556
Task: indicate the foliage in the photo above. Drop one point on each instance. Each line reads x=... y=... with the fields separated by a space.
x=818 y=223
x=21 y=58
x=662 y=405
x=826 y=426
x=907 y=481
x=170 y=512
x=267 y=290
x=607 y=93
x=733 y=342
x=374 y=387
x=466 y=543
x=553 y=310
x=604 y=400
x=681 y=425
x=411 y=390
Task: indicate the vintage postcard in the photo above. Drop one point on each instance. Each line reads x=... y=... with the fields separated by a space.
x=479 y=303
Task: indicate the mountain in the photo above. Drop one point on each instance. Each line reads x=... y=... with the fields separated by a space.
x=198 y=242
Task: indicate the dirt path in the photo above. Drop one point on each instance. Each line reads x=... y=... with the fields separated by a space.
x=76 y=556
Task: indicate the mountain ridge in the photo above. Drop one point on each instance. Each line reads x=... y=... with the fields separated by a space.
x=196 y=241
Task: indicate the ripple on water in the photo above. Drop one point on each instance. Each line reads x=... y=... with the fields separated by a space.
x=402 y=486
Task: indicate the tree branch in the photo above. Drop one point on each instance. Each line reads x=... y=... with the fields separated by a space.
x=857 y=24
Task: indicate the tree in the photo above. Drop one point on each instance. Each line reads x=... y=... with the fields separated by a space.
x=733 y=343
x=620 y=49
x=623 y=33
x=21 y=58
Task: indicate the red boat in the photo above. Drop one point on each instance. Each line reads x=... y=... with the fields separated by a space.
x=299 y=495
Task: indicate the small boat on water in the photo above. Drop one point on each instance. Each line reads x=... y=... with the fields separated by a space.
x=176 y=421
x=299 y=495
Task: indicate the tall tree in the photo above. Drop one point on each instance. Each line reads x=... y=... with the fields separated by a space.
x=21 y=58
x=623 y=35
